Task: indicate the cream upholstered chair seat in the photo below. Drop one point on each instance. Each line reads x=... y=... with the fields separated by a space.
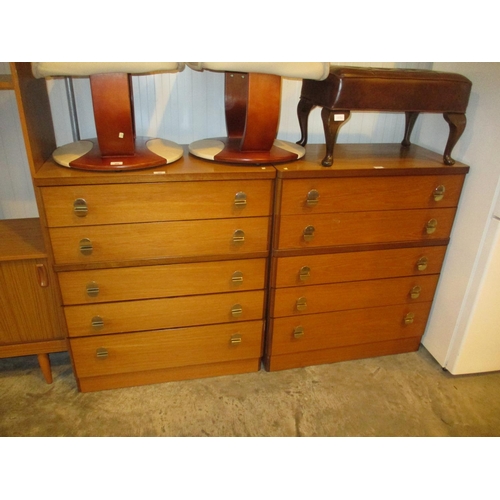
x=252 y=109
x=116 y=146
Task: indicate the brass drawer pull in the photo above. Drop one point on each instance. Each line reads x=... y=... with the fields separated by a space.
x=301 y=304
x=236 y=339
x=438 y=193
x=422 y=263
x=236 y=311
x=304 y=273
x=312 y=198
x=239 y=236
x=415 y=292
x=86 y=247
x=409 y=318
x=101 y=353
x=431 y=226
x=308 y=233
x=97 y=322
x=240 y=199
x=92 y=289
x=298 y=332
x=237 y=277
x=80 y=207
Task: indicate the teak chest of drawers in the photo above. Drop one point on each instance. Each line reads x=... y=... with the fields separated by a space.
x=357 y=252
x=162 y=272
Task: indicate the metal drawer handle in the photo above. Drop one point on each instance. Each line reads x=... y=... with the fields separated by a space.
x=301 y=304
x=308 y=233
x=298 y=332
x=80 y=207
x=236 y=311
x=43 y=278
x=422 y=263
x=92 y=289
x=97 y=322
x=415 y=292
x=304 y=273
x=237 y=277
x=312 y=198
x=431 y=226
x=236 y=339
x=409 y=318
x=101 y=353
x=240 y=199
x=438 y=193
x=239 y=236
x=86 y=247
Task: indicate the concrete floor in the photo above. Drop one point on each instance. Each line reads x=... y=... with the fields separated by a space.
x=401 y=395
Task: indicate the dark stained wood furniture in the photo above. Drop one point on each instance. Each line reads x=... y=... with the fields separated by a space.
x=372 y=89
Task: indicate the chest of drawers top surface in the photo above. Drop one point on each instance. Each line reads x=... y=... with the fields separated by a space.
x=188 y=168
x=369 y=160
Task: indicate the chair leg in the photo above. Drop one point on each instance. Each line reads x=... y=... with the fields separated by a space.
x=332 y=121
x=44 y=362
x=457 y=123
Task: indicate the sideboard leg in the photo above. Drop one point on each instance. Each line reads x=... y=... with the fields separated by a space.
x=44 y=362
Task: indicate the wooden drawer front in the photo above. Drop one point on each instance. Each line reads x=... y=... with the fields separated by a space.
x=354 y=266
x=156 y=314
x=359 y=326
x=353 y=295
x=133 y=352
x=303 y=196
x=123 y=242
x=353 y=228
x=148 y=282
x=125 y=203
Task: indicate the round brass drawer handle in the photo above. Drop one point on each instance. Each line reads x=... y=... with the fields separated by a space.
x=80 y=208
x=312 y=198
x=431 y=226
x=92 y=289
x=97 y=322
x=308 y=233
x=101 y=353
x=236 y=311
x=415 y=292
x=298 y=332
x=239 y=237
x=304 y=273
x=422 y=263
x=236 y=339
x=409 y=318
x=438 y=193
x=240 y=199
x=86 y=247
x=301 y=304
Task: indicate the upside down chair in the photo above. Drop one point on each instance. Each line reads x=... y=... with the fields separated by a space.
x=116 y=146
x=252 y=110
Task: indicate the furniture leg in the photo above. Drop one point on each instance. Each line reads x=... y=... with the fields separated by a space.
x=44 y=362
x=457 y=123
x=411 y=118
x=304 y=108
x=332 y=121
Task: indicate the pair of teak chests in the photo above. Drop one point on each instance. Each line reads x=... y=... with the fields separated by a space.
x=200 y=269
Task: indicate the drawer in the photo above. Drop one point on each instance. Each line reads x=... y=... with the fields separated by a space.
x=126 y=203
x=122 y=242
x=353 y=295
x=343 y=328
x=303 y=196
x=134 y=352
x=156 y=314
x=354 y=228
x=147 y=282
x=354 y=266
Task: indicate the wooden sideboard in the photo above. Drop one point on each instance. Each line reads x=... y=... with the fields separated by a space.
x=162 y=271
x=30 y=322
x=357 y=252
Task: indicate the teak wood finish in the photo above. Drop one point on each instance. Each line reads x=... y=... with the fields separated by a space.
x=357 y=252
x=170 y=280
x=31 y=323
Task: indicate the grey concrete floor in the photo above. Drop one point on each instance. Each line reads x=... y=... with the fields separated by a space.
x=402 y=395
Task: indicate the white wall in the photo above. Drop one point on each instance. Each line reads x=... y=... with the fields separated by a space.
x=479 y=147
x=182 y=107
